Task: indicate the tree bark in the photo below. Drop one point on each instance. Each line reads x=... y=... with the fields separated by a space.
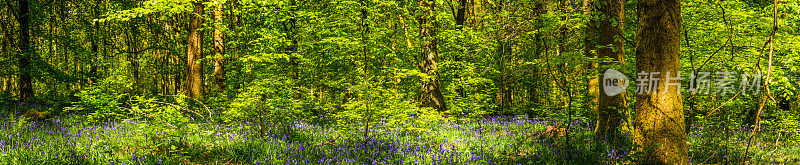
x=195 y=53
x=25 y=82
x=659 y=125
x=609 y=106
x=219 y=50
x=431 y=95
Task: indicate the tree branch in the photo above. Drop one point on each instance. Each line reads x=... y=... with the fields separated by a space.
x=769 y=70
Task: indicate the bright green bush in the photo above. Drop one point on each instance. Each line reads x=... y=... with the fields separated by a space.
x=268 y=101
x=103 y=100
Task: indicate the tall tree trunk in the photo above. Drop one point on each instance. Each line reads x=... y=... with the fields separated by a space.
x=25 y=82
x=179 y=84
x=175 y=62
x=4 y=49
x=291 y=32
x=95 y=39
x=133 y=52
x=431 y=95
x=365 y=52
x=609 y=106
x=659 y=127
x=460 y=18
x=219 y=51
x=195 y=53
x=539 y=88
x=589 y=46
x=461 y=14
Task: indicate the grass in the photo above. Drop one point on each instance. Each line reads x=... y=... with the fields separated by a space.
x=498 y=140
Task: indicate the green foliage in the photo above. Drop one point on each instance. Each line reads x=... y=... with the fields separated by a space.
x=167 y=7
x=166 y=124
x=103 y=101
x=376 y=105
x=476 y=100
x=357 y=64
x=6 y=98
x=267 y=101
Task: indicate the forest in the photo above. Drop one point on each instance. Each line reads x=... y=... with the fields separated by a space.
x=399 y=82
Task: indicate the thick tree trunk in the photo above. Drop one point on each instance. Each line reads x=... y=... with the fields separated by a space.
x=431 y=95
x=659 y=125
x=219 y=50
x=25 y=82
x=195 y=53
x=609 y=106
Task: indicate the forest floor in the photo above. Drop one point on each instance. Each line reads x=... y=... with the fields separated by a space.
x=498 y=140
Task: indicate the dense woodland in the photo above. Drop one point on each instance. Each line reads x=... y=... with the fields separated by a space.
x=399 y=82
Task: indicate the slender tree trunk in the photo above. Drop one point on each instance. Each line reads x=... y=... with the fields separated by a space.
x=291 y=32
x=431 y=90
x=178 y=76
x=590 y=36
x=219 y=51
x=461 y=14
x=4 y=49
x=176 y=61
x=133 y=53
x=659 y=127
x=539 y=88
x=195 y=53
x=365 y=53
x=95 y=39
x=25 y=82
x=460 y=18
x=609 y=106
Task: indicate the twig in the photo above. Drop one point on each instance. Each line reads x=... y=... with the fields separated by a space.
x=726 y=102
x=715 y=153
x=201 y=103
x=148 y=115
x=758 y=119
x=565 y=89
x=165 y=103
x=138 y=51
x=769 y=70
